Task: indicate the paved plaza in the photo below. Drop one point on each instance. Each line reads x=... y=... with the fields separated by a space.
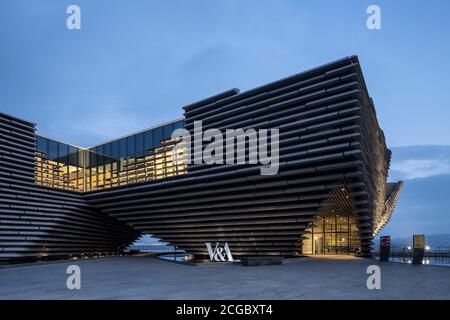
x=133 y=277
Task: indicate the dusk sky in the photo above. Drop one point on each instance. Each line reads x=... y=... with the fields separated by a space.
x=134 y=64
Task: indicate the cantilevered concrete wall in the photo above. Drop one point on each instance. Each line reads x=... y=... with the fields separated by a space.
x=38 y=222
x=331 y=148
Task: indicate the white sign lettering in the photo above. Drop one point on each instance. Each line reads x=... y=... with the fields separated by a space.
x=219 y=253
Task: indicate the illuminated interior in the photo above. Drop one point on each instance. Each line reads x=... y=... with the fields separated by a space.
x=142 y=157
x=332 y=235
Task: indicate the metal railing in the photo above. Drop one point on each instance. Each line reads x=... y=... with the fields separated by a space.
x=439 y=255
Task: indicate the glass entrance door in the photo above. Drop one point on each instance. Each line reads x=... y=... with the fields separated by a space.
x=332 y=235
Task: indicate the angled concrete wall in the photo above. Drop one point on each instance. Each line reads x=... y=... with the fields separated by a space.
x=43 y=223
x=329 y=140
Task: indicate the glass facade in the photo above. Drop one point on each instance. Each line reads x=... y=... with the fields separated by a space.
x=144 y=156
x=59 y=165
x=332 y=235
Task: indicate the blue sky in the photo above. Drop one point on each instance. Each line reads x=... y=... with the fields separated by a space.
x=134 y=64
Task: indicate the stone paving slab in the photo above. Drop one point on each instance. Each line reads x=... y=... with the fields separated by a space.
x=149 y=278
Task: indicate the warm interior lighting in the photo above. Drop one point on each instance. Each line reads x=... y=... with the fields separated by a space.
x=332 y=235
x=106 y=172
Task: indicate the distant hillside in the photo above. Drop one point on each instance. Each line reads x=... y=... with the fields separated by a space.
x=147 y=239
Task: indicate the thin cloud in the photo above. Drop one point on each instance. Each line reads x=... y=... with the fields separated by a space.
x=421 y=168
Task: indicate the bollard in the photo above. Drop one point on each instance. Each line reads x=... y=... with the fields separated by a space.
x=385 y=248
x=418 y=248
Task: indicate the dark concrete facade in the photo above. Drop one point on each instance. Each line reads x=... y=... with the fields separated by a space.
x=44 y=223
x=333 y=160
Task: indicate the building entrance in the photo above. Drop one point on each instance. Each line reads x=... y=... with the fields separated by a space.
x=332 y=235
